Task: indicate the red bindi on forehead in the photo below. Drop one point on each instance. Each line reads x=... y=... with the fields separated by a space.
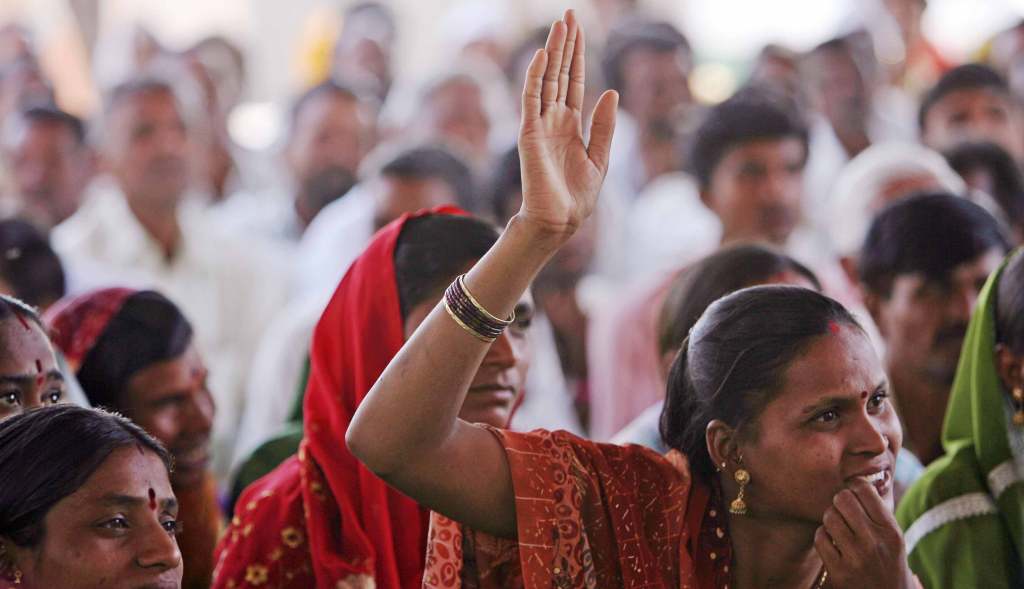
x=833 y=328
x=152 y=499
x=863 y=394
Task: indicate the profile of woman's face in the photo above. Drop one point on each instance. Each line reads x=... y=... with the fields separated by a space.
x=830 y=423
x=116 y=531
x=498 y=384
x=29 y=376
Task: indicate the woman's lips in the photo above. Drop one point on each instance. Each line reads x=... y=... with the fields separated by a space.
x=881 y=480
x=487 y=395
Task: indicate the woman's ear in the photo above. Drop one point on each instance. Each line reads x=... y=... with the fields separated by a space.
x=722 y=443
x=1010 y=367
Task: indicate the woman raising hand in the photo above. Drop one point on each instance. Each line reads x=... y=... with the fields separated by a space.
x=783 y=439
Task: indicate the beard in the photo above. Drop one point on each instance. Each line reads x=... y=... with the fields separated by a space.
x=324 y=187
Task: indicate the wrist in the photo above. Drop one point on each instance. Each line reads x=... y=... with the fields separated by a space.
x=541 y=237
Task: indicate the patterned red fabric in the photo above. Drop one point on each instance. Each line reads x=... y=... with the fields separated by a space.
x=76 y=322
x=323 y=519
x=589 y=515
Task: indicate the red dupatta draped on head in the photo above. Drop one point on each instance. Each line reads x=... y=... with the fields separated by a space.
x=323 y=514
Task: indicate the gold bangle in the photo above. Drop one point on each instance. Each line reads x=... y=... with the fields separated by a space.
x=461 y=324
x=479 y=307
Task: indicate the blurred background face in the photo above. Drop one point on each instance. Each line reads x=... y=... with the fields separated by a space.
x=49 y=170
x=756 y=190
x=924 y=321
x=839 y=89
x=393 y=197
x=976 y=115
x=106 y=534
x=171 y=402
x=147 y=149
x=455 y=112
x=330 y=131
x=29 y=377
x=655 y=83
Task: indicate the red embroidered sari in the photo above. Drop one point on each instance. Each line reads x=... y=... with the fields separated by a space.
x=322 y=519
x=590 y=515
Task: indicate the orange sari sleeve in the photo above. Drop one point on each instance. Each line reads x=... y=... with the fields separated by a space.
x=588 y=515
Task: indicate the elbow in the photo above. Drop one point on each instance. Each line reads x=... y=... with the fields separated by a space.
x=361 y=444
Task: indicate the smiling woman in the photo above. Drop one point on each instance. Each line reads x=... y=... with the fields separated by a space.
x=132 y=352
x=74 y=503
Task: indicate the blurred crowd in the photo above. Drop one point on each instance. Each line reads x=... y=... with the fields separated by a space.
x=180 y=276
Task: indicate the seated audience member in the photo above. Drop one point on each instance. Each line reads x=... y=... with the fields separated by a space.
x=988 y=168
x=972 y=102
x=647 y=62
x=845 y=123
x=400 y=180
x=133 y=352
x=881 y=175
x=322 y=519
x=454 y=110
x=748 y=158
x=139 y=228
x=30 y=376
x=85 y=501
x=691 y=292
x=922 y=265
x=778 y=412
x=330 y=131
x=49 y=162
x=29 y=269
x=964 y=518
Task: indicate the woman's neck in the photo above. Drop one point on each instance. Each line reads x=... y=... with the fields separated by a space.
x=773 y=553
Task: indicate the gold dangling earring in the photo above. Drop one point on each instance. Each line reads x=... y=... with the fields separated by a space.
x=738 y=505
x=1018 y=405
x=17 y=576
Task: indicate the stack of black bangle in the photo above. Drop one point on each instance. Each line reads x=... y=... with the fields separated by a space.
x=471 y=315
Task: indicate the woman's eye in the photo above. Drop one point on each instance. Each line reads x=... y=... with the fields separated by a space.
x=828 y=416
x=53 y=397
x=9 y=399
x=877 y=400
x=117 y=523
x=172 y=527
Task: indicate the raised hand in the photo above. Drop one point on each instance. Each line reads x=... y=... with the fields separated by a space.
x=562 y=175
x=861 y=543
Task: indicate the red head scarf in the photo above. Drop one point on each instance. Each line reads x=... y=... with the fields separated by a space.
x=324 y=515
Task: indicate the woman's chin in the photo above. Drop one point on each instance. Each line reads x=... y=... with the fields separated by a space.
x=494 y=416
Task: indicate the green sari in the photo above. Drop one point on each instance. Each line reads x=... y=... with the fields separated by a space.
x=963 y=520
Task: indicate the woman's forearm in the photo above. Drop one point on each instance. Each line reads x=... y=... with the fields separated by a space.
x=413 y=407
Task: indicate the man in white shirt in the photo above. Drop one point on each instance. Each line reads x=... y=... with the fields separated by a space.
x=137 y=228
x=331 y=129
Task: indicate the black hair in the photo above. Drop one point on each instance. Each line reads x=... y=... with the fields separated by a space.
x=51 y=114
x=723 y=272
x=432 y=250
x=331 y=87
x=11 y=307
x=506 y=179
x=1010 y=305
x=970 y=76
x=1008 y=190
x=435 y=162
x=633 y=34
x=753 y=113
x=734 y=362
x=930 y=234
x=47 y=454
x=146 y=330
x=29 y=265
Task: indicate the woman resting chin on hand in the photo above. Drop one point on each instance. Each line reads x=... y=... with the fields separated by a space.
x=777 y=407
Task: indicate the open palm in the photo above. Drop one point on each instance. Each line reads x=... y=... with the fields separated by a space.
x=562 y=175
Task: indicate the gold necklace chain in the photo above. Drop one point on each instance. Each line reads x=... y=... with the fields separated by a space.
x=822 y=579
